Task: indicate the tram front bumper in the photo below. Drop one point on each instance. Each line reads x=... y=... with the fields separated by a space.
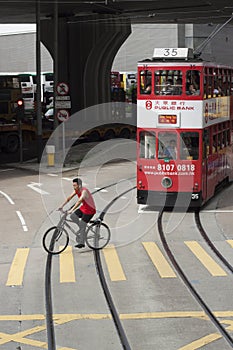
x=169 y=199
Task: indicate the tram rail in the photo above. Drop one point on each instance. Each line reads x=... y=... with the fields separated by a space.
x=186 y=280
x=100 y=272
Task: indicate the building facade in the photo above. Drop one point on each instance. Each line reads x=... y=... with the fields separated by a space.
x=18 y=50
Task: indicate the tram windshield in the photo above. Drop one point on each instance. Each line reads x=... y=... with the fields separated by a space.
x=167 y=145
x=171 y=145
x=147 y=145
x=189 y=145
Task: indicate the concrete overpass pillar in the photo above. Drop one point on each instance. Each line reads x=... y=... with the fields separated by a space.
x=86 y=50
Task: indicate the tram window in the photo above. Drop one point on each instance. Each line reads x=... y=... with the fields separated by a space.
x=167 y=145
x=147 y=145
x=206 y=143
x=145 y=82
x=224 y=138
x=193 y=82
x=215 y=143
x=189 y=145
x=168 y=82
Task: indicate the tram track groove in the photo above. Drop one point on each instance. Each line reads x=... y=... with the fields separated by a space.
x=189 y=285
x=100 y=272
x=210 y=243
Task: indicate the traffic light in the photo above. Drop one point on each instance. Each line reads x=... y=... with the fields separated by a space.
x=20 y=109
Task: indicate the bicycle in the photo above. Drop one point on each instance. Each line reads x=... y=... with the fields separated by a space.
x=56 y=238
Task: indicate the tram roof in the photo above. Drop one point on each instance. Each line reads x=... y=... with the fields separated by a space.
x=180 y=63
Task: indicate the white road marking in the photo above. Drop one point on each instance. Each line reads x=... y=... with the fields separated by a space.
x=32 y=186
x=216 y=211
x=67 y=178
x=9 y=169
x=145 y=209
x=22 y=220
x=52 y=174
x=98 y=188
x=7 y=197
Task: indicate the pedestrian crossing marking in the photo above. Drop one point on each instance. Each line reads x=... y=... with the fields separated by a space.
x=158 y=259
x=15 y=276
x=67 y=271
x=230 y=241
x=114 y=266
x=115 y=269
x=209 y=263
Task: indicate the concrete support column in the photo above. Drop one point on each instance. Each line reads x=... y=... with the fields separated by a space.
x=86 y=50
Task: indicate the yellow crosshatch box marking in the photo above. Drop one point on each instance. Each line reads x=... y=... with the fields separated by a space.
x=20 y=337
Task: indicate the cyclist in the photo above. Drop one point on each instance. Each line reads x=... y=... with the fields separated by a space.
x=83 y=210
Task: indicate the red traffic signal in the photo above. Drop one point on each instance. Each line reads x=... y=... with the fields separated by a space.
x=20 y=103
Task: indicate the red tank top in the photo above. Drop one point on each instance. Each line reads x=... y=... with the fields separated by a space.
x=88 y=204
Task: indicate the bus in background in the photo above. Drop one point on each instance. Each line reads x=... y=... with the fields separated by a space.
x=28 y=91
x=47 y=82
x=129 y=79
x=129 y=83
x=115 y=80
x=184 y=128
x=10 y=92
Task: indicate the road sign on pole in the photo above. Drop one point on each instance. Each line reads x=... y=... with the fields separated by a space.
x=62 y=115
x=62 y=89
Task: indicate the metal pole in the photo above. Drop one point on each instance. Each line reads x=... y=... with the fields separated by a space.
x=55 y=73
x=38 y=84
x=20 y=142
x=55 y=61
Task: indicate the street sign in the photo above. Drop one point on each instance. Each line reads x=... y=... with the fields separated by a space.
x=62 y=89
x=62 y=104
x=62 y=115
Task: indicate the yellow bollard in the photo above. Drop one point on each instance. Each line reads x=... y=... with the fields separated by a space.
x=50 y=150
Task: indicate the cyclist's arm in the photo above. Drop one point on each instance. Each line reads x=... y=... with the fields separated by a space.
x=67 y=200
x=77 y=204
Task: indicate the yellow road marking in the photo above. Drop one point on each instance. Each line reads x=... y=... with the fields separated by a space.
x=115 y=269
x=199 y=343
x=65 y=318
x=67 y=272
x=230 y=241
x=15 y=276
x=209 y=263
x=161 y=264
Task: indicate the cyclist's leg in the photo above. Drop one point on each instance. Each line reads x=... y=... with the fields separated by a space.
x=76 y=218
x=82 y=229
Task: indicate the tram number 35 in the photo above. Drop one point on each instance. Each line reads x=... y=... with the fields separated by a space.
x=195 y=196
x=170 y=52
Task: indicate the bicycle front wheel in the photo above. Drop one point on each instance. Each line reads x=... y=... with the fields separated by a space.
x=55 y=240
x=98 y=235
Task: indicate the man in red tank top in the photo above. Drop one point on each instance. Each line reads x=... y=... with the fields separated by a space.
x=83 y=210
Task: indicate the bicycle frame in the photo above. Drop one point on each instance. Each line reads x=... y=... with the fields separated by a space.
x=56 y=238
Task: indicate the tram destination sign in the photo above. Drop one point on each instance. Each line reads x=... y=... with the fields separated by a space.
x=167 y=118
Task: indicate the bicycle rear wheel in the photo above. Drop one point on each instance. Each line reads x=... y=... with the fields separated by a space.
x=55 y=240
x=98 y=235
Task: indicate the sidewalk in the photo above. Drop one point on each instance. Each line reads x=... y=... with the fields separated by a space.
x=84 y=155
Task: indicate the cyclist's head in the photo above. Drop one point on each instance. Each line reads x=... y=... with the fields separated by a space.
x=78 y=181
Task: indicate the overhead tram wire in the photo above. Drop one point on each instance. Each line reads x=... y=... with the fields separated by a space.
x=200 y=48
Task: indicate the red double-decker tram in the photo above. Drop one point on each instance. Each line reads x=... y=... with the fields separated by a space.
x=184 y=128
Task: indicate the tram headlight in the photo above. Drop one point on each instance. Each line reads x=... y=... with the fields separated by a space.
x=166 y=182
